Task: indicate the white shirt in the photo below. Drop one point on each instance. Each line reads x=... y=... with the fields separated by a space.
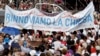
x=99 y=54
x=63 y=38
x=10 y=42
x=31 y=37
x=88 y=41
x=1 y=47
x=93 y=54
x=24 y=49
x=57 y=45
x=75 y=39
x=91 y=38
x=1 y=29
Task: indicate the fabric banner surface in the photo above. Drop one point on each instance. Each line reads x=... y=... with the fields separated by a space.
x=35 y=19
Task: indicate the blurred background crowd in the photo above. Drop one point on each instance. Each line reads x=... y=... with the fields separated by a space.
x=65 y=4
x=84 y=42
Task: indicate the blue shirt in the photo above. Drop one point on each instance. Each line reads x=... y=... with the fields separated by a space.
x=6 y=40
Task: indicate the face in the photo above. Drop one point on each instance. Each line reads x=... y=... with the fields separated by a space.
x=26 y=35
x=22 y=54
x=64 y=34
x=1 y=39
x=17 y=53
x=72 y=36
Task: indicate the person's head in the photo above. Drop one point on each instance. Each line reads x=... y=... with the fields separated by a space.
x=42 y=48
x=37 y=48
x=58 y=37
x=17 y=54
x=1 y=37
x=32 y=52
x=92 y=43
x=42 y=54
x=22 y=54
x=6 y=51
x=86 y=54
x=15 y=47
x=15 y=51
x=48 y=54
x=26 y=35
x=57 y=53
x=73 y=34
x=89 y=34
x=64 y=51
x=7 y=35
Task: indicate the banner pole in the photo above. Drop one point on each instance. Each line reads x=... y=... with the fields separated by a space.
x=40 y=2
x=76 y=5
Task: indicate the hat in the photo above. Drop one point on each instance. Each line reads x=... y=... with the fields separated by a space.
x=74 y=32
x=88 y=41
x=32 y=53
x=67 y=33
x=97 y=47
x=17 y=37
x=81 y=41
x=51 y=50
x=15 y=45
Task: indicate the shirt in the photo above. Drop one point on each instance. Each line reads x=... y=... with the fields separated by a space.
x=57 y=45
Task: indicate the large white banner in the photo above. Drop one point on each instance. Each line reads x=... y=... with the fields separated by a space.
x=64 y=21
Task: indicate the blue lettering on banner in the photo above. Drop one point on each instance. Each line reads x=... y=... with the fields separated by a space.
x=47 y=21
x=32 y=20
x=20 y=19
x=37 y=21
x=17 y=19
x=67 y=22
x=42 y=20
x=60 y=22
x=54 y=22
x=87 y=19
x=7 y=17
x=71 y=22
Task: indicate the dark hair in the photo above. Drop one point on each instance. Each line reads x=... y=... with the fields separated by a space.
x=81 y=30
x=54 y=33
x=37 y=48
x=42 y=48
x=74 y=32
x=42 y=54
x=1 y=35
x=78 y=41
x=93 y=43
x=6 y=51
x=58 y=37
x=89 y=34
x=86 y=54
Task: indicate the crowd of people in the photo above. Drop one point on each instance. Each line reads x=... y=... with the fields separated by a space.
x=84 y=42
x=18 y=5
x=29 y=4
